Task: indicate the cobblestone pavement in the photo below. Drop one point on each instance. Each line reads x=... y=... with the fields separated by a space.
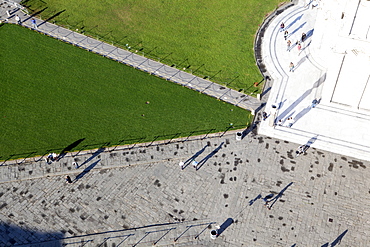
x=142 y=197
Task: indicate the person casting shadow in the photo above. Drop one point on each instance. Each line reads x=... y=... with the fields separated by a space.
x=86 y=170
x=192 y=158
x=204 y=160
x=281 y=193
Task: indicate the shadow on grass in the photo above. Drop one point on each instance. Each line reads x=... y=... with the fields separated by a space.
x=35 y=14
x=69 y=148
x=51 y=17
x=23 y=155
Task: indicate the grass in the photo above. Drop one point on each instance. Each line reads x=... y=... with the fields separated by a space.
x=55 y=94
x=208 y=38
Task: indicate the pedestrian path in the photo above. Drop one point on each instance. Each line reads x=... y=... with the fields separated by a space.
x=132 y=59
x=333 y=127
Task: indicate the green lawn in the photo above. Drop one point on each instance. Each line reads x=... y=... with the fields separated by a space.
x=54 y=94
x=210 y=38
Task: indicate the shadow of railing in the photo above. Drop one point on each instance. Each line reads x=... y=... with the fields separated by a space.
x=25 y=155
x=112 y=146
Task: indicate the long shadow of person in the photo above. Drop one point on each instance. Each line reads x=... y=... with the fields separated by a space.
x=339 y=239
x=69 y=148
x=295 y=20
x=255 y=199
x=86 y=170
x=311 y=141
x=295 y=30
x=204 y=160
x=187 y=162
x=281 y=193
x=100 y=150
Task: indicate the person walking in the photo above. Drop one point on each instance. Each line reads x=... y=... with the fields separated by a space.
x=291 y=67
x=33 y=22
x=299 y=46
x=181 y=164
x=282 y=26
x=290 y=122
x=18 y=20
x=286 y=33
x=68 y=179
x=301 y=150
x=264 y=115
x=75 y=165
x=288 y=43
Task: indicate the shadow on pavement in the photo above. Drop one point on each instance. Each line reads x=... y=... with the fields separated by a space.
x=86 y=170
x=302 y=97
x=100 y=150
x=11 y=235
x=204 y=160
x=187 y=162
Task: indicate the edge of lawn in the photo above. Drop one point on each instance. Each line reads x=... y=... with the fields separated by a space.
x=161 y=141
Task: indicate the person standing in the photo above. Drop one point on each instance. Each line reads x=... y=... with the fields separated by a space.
x=33 y=22
x=291 y=67
x=18 y=20
x=75 y=165
x=194 y=163
x=288 y=43
x=299 y=47
x=286 y=33
x=303 y=38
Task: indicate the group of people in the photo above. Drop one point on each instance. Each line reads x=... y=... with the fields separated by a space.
x=54 y=157
x=298 y=43
x=194 y=163
x=289 y=122
x=301 y=150
x=19 y=21
x=51 y=158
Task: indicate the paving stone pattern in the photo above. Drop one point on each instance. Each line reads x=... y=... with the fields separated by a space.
x=141 y=196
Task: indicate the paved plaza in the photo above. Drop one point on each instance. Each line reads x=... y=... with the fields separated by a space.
x=250 y=192
x=321 y=196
